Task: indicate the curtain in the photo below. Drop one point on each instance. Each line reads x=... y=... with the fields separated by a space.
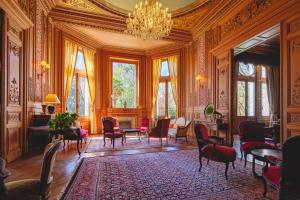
x=273 y=84
x=173 y=76
x=69 y=67
x=155 y=81
x=89 y=58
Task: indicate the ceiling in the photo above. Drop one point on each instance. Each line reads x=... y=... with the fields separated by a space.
x=119 y=39
x=170 y=4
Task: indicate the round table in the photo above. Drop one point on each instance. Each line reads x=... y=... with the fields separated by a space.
x=260 y=154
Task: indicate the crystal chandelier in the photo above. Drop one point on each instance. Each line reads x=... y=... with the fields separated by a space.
x=149 y=21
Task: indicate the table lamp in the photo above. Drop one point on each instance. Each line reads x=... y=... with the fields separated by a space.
x=51 y=100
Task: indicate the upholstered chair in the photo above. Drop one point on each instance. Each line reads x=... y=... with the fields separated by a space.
x=180 y=131
x=35 y=188
x=109 y=131
x=144 y=128
x=115 y=122
x=252 y=136
x=160 y=131
x=212 y=151
x=285 y=177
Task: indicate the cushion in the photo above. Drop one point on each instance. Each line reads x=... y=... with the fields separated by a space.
x=83 y=133
x=172 y=132
x=144 y=128
x=248 y=146
x=23 y=189
x=272 y=174
x=222 y=153
x=116 y=134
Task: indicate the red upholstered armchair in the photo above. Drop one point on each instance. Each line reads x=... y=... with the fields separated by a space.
x=109 y=131
x=252 y=136
x=144 y=125
x=115 y=122
x=160 y=131
x=286 y=177
x=212 y=151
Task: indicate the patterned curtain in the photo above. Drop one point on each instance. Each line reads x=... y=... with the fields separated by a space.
x=89 y=58
x=273 y=84
x=172 y=60
x=69 y=67
x=155 y=82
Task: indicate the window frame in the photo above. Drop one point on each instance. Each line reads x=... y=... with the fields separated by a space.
x=166 y=80
x=77 y=74
x=258 y=80
x=137 y=88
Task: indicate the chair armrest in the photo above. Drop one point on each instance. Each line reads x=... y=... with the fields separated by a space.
x=216 y=139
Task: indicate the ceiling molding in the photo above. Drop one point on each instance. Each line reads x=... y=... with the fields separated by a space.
x=47 y=5
x=16 y=13
x=210 y=19
x=164 y=49
x=109 y=23
x=83 y=38
x=123 y=50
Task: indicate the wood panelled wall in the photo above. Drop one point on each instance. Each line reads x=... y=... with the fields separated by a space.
x=235 y=22
x=26 y=41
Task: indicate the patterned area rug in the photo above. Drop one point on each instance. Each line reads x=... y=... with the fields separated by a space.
x=132 y=142
x=163 y=175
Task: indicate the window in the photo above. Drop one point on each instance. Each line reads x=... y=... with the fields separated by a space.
x=78 y=100
x=165 y=105
x=252 y=91
x=124 y=85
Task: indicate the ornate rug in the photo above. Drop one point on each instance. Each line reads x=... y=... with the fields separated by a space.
x=163 y=175
x=132 y=142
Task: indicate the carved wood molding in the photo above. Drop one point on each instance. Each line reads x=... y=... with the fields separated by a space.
x=296 y=91
x=14 y=93
x=251 y=10
x=16 y=13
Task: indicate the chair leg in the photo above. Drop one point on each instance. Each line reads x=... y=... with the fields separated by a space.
x=233 y=165
x=200 y=162
x=241 y=155
x=167 y=140
x=207 y=161
x=113 y=142
x=148 y=139
x=245 y=157
x=160 y=141
x=226 y=170
x=265 y=187
x=122 y=140
x=186 y=139
x=104 y=141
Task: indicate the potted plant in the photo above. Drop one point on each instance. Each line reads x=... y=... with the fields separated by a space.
x=63 y=121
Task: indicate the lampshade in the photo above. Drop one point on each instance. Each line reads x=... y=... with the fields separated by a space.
x=51 y=99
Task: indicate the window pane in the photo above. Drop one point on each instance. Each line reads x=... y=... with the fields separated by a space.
x=263 y=72
x=71 y=102
x=265 y=101
x=83 y=95
x=164 y=69
x=80 y=61
x=251 y=99
x=161 y=99
x=124 y=85
x=241 y=98
x=246 y=69
x=171 y=102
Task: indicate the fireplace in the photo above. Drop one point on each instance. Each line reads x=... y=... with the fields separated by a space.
x=127 y=122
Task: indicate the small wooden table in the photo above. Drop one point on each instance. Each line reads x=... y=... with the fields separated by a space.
x=132 y=130
x=260 y=154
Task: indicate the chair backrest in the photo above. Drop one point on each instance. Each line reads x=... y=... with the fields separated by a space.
x=163 y=127
x=114 y=120
x=251 y=131
x=290 y=173
x=180 y=121
x=187 y=122
x=48 y=164
x=201 y=134
x=145 y=122
x=108 y=125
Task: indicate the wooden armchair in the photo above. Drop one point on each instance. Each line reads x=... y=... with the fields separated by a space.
x=160 y=131
x=35 y=188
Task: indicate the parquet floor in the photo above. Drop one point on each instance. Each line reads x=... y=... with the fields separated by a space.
x=66 y=161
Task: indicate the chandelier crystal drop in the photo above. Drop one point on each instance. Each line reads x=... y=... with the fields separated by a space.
x=149 y=21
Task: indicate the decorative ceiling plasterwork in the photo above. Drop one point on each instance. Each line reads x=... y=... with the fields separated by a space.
x=81 y=4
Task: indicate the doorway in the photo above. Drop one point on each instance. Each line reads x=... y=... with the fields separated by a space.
x=256 y=79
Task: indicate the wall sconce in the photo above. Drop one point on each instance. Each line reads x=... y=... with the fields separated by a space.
x=45 y=67
x=201 y=80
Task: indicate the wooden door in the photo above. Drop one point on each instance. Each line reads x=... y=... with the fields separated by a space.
x=290 y=74
x=222 y=87
x=12 y=94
